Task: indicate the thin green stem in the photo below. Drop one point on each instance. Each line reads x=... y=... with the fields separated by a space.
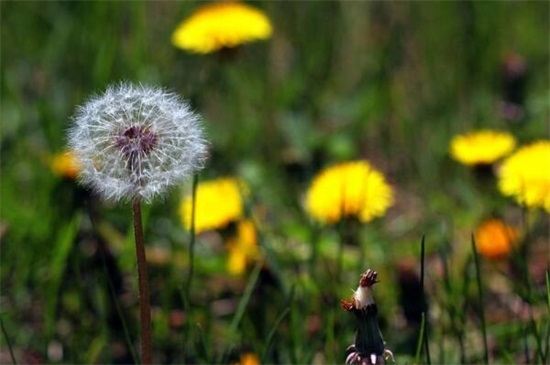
x=425 y=320
x=314 y=239
x=144 y=296
x=243 y=303
x=272 y=333
x=112 y=292
x=480 y=297
x=8 y=342
x=191 y=269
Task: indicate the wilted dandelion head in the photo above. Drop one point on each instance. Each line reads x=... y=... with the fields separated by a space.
x=495 y=239
x=482 y=147
x=349 y=189
x=217 y=204
x=136 y=141
x=220 y=25
x=525 y=175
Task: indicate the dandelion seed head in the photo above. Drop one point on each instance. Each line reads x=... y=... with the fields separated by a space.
x=136 y=142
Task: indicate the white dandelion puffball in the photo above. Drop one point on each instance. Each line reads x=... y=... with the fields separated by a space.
x=134 y=142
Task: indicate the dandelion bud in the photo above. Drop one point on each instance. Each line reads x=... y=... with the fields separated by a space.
x=136 y=142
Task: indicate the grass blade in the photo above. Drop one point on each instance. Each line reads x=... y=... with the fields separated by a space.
x=420 y=340
x=8 y=342
x=60 y=258
x=272 y=334
x=243 y=303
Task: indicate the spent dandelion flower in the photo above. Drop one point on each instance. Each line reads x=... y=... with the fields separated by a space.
x=219 y=25
x=483 y=147
x=243 y=247
x=136 y=141
x=369 y=346
x=495 y=239
x=349 y=189
x=133 y=143
x=65 y=164
x=525 y=175
x=218 y=203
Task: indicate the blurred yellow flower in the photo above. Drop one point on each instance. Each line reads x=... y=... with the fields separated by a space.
x=495 y=239
x=249 y=358
x=243 y=247
x=220 y=25
x=525 y=175
x=481 y=147
x=349 y=189
x=65 y=164
x=218 y=203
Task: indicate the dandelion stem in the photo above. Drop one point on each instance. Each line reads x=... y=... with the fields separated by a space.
x=481 y=309
x=144 y=297
x=424 y=319
x=192 y=239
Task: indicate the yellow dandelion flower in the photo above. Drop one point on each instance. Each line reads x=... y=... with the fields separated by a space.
x=220 y=25
x=218 y=203
x=481 y=147
x=495 y=239
x=243 y=248
x=66 y=164
x=248 y=358
x=525 y=175
x=349 y=189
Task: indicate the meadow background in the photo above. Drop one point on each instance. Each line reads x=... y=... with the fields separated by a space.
x=390 y=82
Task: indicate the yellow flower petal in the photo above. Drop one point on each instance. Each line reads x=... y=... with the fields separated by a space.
x=66 y=164
x=243 y=248
x=223 y=24
x=481 y=147
x=349 y=189
x=249 y=358
x=218 y=203
x=525 y=175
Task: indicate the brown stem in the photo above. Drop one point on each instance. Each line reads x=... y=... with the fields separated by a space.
x=144 y=297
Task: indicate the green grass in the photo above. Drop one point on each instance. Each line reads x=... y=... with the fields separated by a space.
x=390 y=82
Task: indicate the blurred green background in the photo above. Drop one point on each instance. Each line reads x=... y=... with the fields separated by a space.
x=391 y=82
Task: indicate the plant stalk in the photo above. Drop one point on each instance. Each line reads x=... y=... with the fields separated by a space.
x=144 y=296
x=480 y=299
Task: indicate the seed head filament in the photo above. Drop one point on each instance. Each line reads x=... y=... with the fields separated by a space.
x=134 y=143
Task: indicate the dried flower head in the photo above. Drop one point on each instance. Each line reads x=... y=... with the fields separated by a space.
x=136 y=142
x=369 y=346
x=218 y=203
x=525 y=175
x=220 y=25
x=482 y=147
x=349 y=189
x=495 y=239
